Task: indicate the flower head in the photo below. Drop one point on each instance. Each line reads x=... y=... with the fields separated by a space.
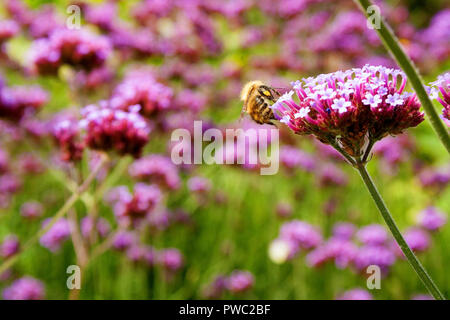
x=158 y=169
x=442 y=86
x=171 y=259
x=216 y=288
x=26 y=288
x=8 y=29
x=17 y=101
x=355 y=294
x=343 y=230
x=121 y=131
x=431 y=219
x=66 y=133
x=373 y=234
x=240 y=281
x=78 y=48
x=56 y=235
x=292 y=157
x=123 y=240
x=199 y=185
x=341 y=251
x=102 y=226
x=301 y=234
x=31 y=209
x=141 y=88
x=10 y=246
x=4 y=161
x=137 y=205
x=350 y=107
x=379 y=255
x=417 y=239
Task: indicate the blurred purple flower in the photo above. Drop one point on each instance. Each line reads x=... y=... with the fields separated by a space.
x=431 y=219
x=216 y=288
x=199 y=185
x=171 y=259
x=156 y=169
x=302 y=234
x=9 y=184
x=142 y=89
x=292 y=157
x=435 y=178
x=343 y=230
x=134 y=206
x=4 y=161
x=103 y=227
x=417 y=239
x=58 y=233
x=239 y=281
x=123 y=240
x=121 y=131
x=373 y=234
x=355 y=294
x=15 y=102
x=10 y=246
x=342 y=252
x=26 y=288
x=284 y=209
x=378 y=255
x=8 y=29
x=31 y=210
x=422 y=297
x=331 y=175
x=436 y=38
x=81 y=49
x=442 y=86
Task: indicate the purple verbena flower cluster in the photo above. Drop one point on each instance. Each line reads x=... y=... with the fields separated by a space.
x=440 y=91
x=141 y=88
x=238 y=282
x=26 y=288
x=18 y=101
x=137 y=205
x=114 y=129
x=78 y=48
x=156 y=169
x=350 y=107
x=56 y=235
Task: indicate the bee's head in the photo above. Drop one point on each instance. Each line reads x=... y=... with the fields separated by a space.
x=249 y=86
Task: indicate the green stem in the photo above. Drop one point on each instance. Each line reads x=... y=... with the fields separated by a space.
x=336 y=146
x=391 y=43
x=412 y=259
x=113 y=177
x=368 y=150
x=61 y=212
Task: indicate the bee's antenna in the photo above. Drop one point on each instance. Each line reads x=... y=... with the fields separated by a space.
x=244 y=107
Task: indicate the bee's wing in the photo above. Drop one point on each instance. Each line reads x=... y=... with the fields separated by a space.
x=243 y=111
x=277 y=93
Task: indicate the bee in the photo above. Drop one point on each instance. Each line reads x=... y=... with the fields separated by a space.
x=257 y=99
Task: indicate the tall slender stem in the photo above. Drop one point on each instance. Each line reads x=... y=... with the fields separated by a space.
x=61 y=212
x=412 y=259
x=391 y=43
